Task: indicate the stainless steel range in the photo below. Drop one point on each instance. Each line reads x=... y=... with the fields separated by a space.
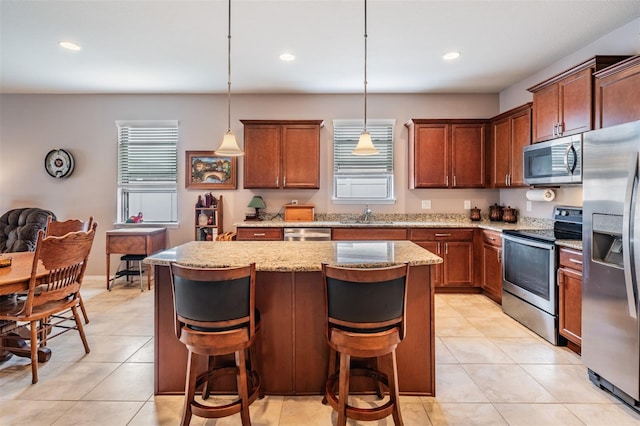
x=529 y=266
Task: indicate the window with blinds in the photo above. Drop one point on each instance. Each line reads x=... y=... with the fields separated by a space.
x=147 y=170
x=356 y=178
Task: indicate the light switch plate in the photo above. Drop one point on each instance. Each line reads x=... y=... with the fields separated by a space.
x=528 y=206
x=467 y=204
x=426 y=204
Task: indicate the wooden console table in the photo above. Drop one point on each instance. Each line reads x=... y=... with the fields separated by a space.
x=135 y=241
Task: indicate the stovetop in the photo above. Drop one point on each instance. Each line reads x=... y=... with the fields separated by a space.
x=567 y=225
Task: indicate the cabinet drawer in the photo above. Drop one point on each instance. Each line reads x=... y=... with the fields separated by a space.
x=492 y=238
x=443 y=234
x=130 y=244
x=368 y=234
x=260 y=234
x=571 y=259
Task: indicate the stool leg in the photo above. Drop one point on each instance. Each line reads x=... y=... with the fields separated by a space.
x=206 y=390
x=376 y=365
x=189 y=387
x=253 y=363
x=345 y=361
x=242 y=387
x=393 y=388
x=140 y=273
x=331 y=371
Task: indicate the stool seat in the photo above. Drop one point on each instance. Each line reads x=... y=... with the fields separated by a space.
x=365 y=317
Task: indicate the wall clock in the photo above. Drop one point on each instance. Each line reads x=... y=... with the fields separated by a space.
x=59 y=163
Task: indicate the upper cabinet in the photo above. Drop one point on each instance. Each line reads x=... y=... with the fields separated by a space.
x=563 y=104
x=618 y=93
x=509 y=133
x=282 y=154
x=446 y=153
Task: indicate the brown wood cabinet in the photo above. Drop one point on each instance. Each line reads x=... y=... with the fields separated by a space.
x=563 y=104
x=617 y=93
x=509 y=133
x=259 y=234
x=455 y=247
x=492 y=265
x=570 y=296
x=369 y=233
x=282 y=154
x=446 y=153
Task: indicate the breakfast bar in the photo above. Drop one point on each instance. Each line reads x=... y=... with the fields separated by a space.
x=290 y=298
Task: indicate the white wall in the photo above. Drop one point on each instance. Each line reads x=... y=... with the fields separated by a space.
x=622 y=41
x=31 y=125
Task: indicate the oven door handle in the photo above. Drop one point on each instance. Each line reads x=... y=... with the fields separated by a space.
x=528 y=242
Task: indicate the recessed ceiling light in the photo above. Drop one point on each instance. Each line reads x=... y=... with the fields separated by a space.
x=287 y=57
x=69 y=45
x=450 y=55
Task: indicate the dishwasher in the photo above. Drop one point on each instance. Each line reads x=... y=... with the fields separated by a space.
x=307 y=234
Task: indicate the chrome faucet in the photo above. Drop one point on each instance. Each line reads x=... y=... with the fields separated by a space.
x=366 y=214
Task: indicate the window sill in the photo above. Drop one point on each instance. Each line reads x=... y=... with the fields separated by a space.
x=169 y=225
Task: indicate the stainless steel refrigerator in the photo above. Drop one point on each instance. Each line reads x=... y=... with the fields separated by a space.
x=611 y=270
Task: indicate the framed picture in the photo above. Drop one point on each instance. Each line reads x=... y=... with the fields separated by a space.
x=206 y=170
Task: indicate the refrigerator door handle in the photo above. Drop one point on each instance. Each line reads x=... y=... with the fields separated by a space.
x=626 y=236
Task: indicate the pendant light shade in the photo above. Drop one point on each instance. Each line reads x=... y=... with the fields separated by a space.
x=229 y=146
x=365 y=144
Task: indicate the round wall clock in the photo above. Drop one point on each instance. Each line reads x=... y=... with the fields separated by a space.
x=59 y=163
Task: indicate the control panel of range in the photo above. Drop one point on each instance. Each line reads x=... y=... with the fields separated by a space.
x=568 y=214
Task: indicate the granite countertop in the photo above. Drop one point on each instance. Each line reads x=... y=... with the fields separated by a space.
x=295 y=256
x=574 y=244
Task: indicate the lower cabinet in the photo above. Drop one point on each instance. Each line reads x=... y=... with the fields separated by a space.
x=492 y=265
x=570 y=296
x=367 y=233
x=455 y=247
x=260 y=234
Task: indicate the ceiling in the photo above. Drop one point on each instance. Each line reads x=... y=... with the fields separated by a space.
x=163 y=46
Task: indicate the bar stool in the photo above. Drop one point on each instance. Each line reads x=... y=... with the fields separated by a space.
x=215 y=316
x=365 y=311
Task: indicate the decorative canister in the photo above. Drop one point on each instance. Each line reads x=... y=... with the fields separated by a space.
x=495 y=212
x=509 y=215
x=475 y=214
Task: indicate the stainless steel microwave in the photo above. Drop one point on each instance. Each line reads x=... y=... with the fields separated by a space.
x=556 y=162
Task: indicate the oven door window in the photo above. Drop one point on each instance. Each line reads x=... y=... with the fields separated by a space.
x=529 y=267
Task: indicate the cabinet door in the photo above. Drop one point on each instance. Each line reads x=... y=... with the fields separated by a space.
x=617 y=97
x=458 y=265
x=262 y=156
x=501 y=152
x=492 y=272
x=575 y=103
x=467 y=152
x=437 y=269
x=520 y=137
x=545 y=113
x=431 y=156
x=570 y=304
x=301 y=156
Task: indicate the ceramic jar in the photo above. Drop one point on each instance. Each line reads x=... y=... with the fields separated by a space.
x=475 y=214
x=495 y=213
x=509 y=215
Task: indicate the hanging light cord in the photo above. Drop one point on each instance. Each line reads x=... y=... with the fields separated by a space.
x=365 y=65
x=229 y=72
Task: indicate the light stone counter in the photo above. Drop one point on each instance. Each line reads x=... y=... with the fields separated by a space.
x=295 y=256
x=485 y=224
x=574 y=244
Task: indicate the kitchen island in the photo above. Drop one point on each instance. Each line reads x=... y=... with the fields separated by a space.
x=290 y=298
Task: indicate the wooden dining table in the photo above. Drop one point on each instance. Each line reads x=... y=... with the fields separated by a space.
x=15 y=279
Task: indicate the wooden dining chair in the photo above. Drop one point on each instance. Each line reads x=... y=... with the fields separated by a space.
x=59 y=264
x=58 y=228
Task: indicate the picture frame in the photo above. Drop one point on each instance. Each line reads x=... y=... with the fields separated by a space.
x=206 y=170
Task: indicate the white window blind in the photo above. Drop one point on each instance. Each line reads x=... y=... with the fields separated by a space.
x=147 y=170
x=362 y=178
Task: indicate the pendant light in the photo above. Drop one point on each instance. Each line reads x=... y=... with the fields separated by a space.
x=365 y=144
x=229 y=146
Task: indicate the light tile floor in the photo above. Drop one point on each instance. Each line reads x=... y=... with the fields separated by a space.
x=490 y=371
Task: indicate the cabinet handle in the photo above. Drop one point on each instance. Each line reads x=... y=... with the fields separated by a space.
x=491 y=238
x=555 y=130
x=559 y=278
x=277 y=180
x=506 y=180
x=443 y=235
x=560 y=129
x=447 y=181
x=438 y=248
x=446 y=248
x=579 y=262
x=454 y=180
x=499 y=256
x=284 y=181
x=509 y=178
x=259 y=234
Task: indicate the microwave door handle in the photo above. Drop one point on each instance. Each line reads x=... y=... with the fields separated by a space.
x=572 y=168
x=626 y=236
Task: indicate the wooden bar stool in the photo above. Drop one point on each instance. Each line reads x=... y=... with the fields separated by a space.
x=215 y=316
x=365 y=311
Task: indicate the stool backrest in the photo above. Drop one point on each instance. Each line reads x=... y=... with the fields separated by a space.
x=365 y=300
x=214 y=298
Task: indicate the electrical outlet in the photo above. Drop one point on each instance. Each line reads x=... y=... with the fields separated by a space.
x=426 y=204
x=294 y=201
x=467 y=204
x=528 y=206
